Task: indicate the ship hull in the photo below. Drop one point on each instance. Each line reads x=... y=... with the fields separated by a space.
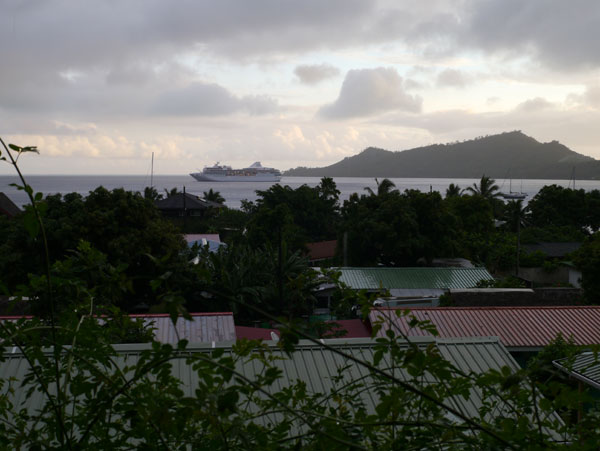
x=235 y=178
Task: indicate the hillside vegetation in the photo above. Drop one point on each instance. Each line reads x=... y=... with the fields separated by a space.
x=511 y=154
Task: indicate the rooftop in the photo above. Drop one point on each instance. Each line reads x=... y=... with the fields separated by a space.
x=517 y=327
x=413 y=278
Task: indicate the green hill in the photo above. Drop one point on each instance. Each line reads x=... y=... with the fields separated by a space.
x=511 y=154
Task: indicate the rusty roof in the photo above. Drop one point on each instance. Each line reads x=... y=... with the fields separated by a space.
x=517 y=327
x=321 y=250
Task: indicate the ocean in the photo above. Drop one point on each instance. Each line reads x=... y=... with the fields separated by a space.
x=234 y=192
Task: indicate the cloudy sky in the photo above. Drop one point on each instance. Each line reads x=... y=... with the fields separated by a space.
x=100 y=85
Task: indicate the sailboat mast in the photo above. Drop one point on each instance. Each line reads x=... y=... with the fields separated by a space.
x=152 y=172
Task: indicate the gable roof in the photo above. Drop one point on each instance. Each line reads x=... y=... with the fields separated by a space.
x=181 y=201
x=517 y=327
x=412 y=278
x=320 y=368
x=8 y=207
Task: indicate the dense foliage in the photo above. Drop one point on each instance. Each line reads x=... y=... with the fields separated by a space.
x=124 y=226
x=86 y=395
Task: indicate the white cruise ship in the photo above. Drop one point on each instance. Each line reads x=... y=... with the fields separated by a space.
x=222 y=173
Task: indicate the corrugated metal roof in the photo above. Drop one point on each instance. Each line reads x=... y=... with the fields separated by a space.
x=412 y=278
x=516 y=326
x=254 y=333
x=350 y=328
x=203 y=328
x=321 y=369
x=585 y=367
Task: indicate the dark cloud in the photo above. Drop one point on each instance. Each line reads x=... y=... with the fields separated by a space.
x=561 y=34
x=371 y=91
x=313 y=74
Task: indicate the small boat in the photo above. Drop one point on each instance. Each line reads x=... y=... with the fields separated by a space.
x=221 y=173
x=514 y=195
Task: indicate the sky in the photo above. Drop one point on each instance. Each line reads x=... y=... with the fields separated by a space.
x=99 y=86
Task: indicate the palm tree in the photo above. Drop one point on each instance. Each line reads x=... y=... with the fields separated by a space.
x=487 y=188
x=453 y=190
x=328 y=189
x=386 y=186
x=214 y=196
x=152 y=194
x=172 y=192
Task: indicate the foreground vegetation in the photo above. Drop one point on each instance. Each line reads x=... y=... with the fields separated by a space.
x=90 y=400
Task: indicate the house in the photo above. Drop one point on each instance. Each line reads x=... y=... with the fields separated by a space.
x=203 y=327
x=324 y=369
x=212 y=240
x=523 y=330
x=399 y=281
x=556 y=270
x=185 y=204
x=8 y=207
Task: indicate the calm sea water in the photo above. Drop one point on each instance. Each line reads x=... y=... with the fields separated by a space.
x=234 y=193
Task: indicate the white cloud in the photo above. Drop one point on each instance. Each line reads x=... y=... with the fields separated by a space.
x=534 y=105
x=367 y=92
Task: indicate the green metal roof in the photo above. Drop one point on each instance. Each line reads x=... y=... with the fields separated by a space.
x=412 y=278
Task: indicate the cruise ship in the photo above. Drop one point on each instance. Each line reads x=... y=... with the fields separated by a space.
x=221 y=173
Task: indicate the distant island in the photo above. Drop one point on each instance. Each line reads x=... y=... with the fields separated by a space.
x=510 y=154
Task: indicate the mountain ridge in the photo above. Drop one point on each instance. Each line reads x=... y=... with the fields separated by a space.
x=509 y=154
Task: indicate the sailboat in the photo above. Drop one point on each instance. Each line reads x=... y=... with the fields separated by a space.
x=514 y=195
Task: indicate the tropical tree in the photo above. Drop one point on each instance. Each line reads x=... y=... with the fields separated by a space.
x=516 y=217
x=486 y=188
x=171 y=192
x=453 y=190
x=587 y=259
x=327 y=189
x=152 y=194
x=214 y=196
x=386 y=186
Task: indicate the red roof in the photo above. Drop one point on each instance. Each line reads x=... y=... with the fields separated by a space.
x=516 y=326
x=321 y=250
x=354 y=328
x=254 y=333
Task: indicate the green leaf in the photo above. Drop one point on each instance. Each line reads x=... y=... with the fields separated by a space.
x=31 y=223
